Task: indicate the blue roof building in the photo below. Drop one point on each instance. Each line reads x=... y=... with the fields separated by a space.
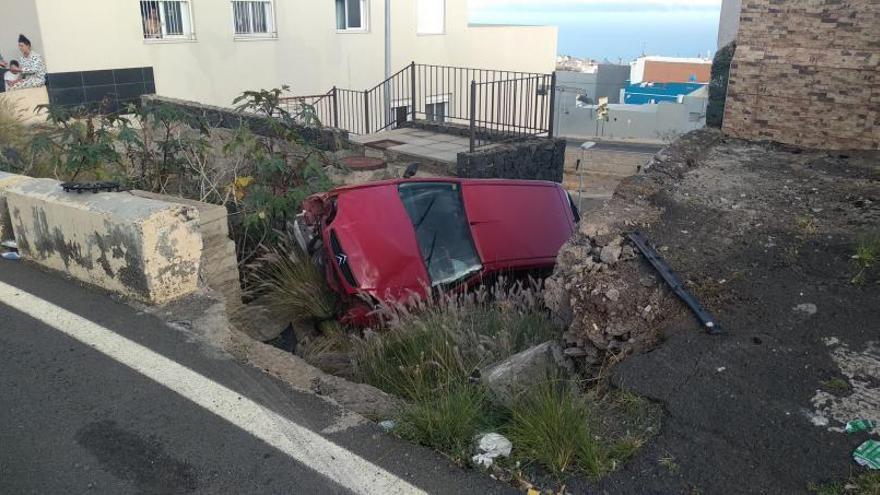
x=648 y=93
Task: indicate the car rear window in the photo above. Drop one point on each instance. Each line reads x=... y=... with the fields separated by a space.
x=442 y=229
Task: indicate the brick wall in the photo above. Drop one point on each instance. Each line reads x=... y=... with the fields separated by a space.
x=806 y=73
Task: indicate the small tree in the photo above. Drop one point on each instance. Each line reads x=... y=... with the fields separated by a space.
x=718 y=85
x=286 y=169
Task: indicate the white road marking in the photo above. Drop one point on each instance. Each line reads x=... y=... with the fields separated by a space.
x=301 y=444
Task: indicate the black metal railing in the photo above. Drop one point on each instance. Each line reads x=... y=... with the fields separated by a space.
x=511 y=109
x=489 y=105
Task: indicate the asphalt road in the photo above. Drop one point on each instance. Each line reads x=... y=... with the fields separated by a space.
x=111 y=400
x=620 y=146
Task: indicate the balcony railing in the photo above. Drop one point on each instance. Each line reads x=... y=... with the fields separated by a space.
x=492 y=105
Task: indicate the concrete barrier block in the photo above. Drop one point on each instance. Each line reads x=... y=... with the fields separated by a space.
x=143 y=248
x=7 y=180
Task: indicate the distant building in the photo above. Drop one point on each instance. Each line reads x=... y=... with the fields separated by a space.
x=574 y=64
x=587 y=87
x=646 y=93
x=670 y=70
x=728 y=28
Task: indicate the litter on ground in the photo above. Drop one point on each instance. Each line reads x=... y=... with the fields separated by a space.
x=868 y=454
x=860 y=425
x=491 y=446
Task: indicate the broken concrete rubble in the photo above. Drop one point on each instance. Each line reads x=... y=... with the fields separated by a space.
x=617 y=306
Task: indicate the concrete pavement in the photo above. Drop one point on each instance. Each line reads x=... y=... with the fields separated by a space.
x=101 y=398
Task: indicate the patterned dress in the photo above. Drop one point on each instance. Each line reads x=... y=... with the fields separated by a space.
x=33 y=72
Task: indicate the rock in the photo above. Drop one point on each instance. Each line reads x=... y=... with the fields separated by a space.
x=610 y=254
x=808 y=309
x=522 y=371
x=574 y=352
x=613 y=295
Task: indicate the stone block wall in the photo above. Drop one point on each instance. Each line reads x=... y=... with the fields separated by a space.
x=807 y=73
x=534 y=159
x=326 y=139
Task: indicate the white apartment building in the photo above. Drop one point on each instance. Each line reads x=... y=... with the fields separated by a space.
x=212 y=50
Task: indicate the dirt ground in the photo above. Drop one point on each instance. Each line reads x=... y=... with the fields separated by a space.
x=764 y=235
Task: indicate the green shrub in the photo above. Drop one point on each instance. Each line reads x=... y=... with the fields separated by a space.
x=718 y=85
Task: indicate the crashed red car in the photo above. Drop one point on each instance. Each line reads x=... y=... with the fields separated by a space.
x=396 y=238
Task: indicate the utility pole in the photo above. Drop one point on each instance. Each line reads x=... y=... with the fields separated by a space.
x=388 y=89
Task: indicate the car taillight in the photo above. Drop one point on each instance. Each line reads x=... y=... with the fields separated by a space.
x=342 y=260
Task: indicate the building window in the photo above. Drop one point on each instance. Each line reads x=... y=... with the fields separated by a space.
x=166 y=19
x=253 y=18
x=436 y=112
x=431 y=16
x=351 y=15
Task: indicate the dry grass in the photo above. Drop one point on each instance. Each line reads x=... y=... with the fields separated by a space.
x=291 y=286
x=15 y=135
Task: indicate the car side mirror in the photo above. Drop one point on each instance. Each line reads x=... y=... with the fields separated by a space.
x=411 y=170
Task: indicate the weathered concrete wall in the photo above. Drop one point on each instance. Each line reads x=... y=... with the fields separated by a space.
x=6 y=181
x=535 y=159
x=219 y=263
x=326 y=139
x=142 y=248
x=806 y=73
x=728 y=25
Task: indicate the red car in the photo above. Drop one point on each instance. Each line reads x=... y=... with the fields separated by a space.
x=396 y=238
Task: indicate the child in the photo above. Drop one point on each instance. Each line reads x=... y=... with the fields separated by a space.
x=12 y=76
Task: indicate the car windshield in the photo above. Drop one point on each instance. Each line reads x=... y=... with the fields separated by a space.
x=442 y=230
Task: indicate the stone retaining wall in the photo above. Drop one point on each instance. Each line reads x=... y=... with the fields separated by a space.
x=326 y=139
x=533 y=159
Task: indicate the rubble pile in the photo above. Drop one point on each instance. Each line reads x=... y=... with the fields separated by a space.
x=609 y=299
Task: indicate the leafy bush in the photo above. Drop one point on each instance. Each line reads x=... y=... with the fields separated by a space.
x=77 y=142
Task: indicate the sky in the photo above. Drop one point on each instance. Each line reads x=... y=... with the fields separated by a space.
x=614 y=29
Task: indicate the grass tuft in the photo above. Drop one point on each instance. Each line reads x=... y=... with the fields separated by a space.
x=551 y=426
x=291 y=286
x=866 y=257
x=447 y=421
x=866 y=483
x=431 y=344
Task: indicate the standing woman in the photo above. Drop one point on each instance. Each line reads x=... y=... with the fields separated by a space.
x=33 y=69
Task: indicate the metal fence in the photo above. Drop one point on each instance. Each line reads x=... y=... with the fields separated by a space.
x=490 y=105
